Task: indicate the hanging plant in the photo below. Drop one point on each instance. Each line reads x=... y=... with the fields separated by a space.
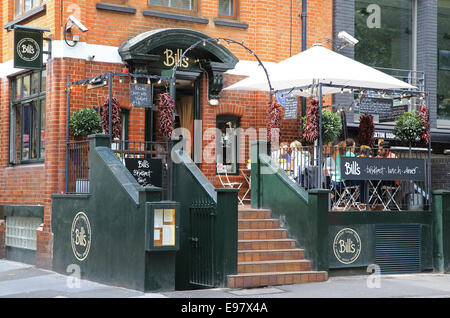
x=331 y=126
x=423 y=115
x=311 y=131
x=366 y=130
x=166 y=108
x=274 y=120
x=116 y=123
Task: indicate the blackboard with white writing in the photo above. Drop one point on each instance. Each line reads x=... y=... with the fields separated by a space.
x=141 y=95
x=147 y=172
x=291 y=108
x=379 y=106
x=354 y=168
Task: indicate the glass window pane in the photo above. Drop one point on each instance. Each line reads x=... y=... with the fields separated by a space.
x=26 y=86
x=35 y=3
x=19 y=88
x=187 y=4
x=156 y=2
x=27 y=5
x=226 y=7
x=384 y=31
x=171 y=3
x=26 y=118
x=35 y=83
x=43 y=80
x=35 y=120
x=17 y=7
x=43 y=118
x=443 y=39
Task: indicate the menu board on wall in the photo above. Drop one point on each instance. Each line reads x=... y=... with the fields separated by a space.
x=147 y=172
x=141 y=95
x=291 y=108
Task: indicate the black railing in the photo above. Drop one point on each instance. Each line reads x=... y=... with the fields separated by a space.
x=302 y=166
x=77 y=180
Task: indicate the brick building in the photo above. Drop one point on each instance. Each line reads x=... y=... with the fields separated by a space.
x=33 y=103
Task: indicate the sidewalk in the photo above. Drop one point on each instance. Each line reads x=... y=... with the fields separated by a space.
x=19 y=280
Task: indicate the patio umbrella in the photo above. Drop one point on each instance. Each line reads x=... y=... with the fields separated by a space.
x=319 y=65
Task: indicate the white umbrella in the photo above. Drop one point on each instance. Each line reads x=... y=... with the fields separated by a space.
x=319 y=65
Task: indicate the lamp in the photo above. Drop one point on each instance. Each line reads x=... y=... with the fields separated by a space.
x=213 y=102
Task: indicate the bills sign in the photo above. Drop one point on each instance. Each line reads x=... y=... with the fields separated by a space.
x=147 y=172
x=28 y=48
x=354 y=168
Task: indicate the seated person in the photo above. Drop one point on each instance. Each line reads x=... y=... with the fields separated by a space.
x=384 y=150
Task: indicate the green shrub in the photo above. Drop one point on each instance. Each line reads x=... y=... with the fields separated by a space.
x=85 y=122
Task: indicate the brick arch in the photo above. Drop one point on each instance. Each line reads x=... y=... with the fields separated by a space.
x=230 y=109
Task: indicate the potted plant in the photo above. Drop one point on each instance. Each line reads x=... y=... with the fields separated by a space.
x=84 y=122
x=409 y=128
x=331 y=127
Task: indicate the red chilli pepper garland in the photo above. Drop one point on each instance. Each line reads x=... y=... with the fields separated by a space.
x=166 y=108
x=423 y=114
x=311 y=132
x=366 y=130
x=116 y=123
x=274 y=121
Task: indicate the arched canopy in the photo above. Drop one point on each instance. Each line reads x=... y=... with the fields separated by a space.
x=150 y=47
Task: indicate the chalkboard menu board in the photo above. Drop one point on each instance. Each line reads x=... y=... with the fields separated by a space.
x=147 y=172
x=141 y=95
x=291 y=108
x=378 y=106
x=354 y=168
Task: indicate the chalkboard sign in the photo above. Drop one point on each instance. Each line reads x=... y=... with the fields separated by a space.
x=141 y=95
x=396 y=111
x=291 y=107
x=354 y=168
x=377 y=106
x=147 y=172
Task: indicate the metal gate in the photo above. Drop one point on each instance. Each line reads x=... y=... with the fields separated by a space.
x=201 y=252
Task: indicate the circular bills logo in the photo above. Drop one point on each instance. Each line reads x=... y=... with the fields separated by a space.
x=28 y=49
x=81 y=236
x=347 y=246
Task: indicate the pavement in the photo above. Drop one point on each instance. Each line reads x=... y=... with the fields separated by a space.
x=18 y=280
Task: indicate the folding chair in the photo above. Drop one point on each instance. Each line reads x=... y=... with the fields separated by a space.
x=390 y=191
x=227 y=183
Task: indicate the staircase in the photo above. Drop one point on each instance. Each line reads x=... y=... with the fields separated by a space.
x=266 y=257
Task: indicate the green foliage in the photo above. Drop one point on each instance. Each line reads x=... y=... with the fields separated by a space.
x=331 y=126
x=409 y=127
x=85 y=122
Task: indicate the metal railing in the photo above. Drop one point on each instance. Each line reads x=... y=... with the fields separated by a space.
x=301 y=165
x=77 y=180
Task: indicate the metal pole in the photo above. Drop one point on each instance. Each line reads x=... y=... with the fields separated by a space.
x=320 y=137
x=425 y=98
x=67 y=132
x=110 y=108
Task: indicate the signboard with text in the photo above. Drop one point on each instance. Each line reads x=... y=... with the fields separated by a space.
x=147 y=172
x=141 y=95
x=354 y=168
x=28 y=49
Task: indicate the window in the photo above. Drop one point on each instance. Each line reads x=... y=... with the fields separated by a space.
x=227 y=140
x=384 y=30
x=22 y=6
x=21 y=232
x=443 y=43
x=226 y=8
x=177 y=4
x=28 y=118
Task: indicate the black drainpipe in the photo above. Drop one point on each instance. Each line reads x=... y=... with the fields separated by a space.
x=304 y=15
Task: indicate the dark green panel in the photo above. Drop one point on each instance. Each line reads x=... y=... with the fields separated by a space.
x=33 y=211
x=28 y=48
x=21 y=255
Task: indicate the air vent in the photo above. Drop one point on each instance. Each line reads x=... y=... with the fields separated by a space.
x=397 y=248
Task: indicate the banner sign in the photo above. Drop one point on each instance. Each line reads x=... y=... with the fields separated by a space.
x=28 y=48
x=291 y=108
x=147 y=172
x=355 y=168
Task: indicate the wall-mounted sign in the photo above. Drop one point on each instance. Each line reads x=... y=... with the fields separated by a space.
x=383 y=109
x=347 y=246
x=81 y=236
x=141 y=95
x=28 y=48
x=162 y=225
x=354 y=168
x=147 y=172
x=291 y=108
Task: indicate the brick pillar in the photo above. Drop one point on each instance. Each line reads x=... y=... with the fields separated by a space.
x=2 y=239
x=44 y=249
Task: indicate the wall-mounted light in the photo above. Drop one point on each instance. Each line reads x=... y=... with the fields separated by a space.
x=213 y=102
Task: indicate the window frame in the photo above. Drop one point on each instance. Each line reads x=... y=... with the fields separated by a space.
x=22 y=7
x=234 y=16
x=31 y=101
x=178 y=10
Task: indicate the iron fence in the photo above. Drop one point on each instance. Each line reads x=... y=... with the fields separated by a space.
x=302 y=166
x=77 y=180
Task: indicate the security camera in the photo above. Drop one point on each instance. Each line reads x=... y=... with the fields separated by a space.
x=347 y=38
x=74 y=21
